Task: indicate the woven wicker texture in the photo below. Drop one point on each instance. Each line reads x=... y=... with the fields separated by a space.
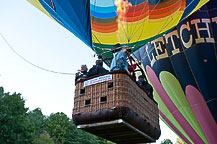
x=121 y=91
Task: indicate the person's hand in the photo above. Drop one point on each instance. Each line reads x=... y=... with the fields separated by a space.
x=77 y=74
x=78 y=79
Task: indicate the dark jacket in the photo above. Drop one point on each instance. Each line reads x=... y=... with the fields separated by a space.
x=96 y=69
x=82 y=75
x=147 y=87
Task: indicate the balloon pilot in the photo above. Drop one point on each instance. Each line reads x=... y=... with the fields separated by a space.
x=119 y=62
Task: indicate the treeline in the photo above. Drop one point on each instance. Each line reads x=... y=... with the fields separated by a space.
x=18 y=125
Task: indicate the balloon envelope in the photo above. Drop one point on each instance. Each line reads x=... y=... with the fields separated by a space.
x=102 y=23
x=182 y=67
x=180 y=60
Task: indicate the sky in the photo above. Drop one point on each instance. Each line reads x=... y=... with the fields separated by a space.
x=45 y=43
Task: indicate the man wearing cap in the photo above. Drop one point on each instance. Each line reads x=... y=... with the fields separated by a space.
x=119 y=62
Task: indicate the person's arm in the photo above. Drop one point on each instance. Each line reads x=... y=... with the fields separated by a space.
x=122 y=61
x=90 y=72
x=76 y=76
x=132 y=67
x=102 y=70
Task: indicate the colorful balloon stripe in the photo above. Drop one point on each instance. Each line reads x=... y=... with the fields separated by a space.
x=174 y=127
x=184 y=59
x=176 y=94
x=164 y=110
x=202 y=113
x=172 y=108
x=135 y=22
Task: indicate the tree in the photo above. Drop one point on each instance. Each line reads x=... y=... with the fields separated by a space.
x=82 y=137
x=1 y=90
x=87 y=138
x=37 y=119
x=14 y=124
x=17 y=126
x=63 y=131
x=44 y=138
x=58 y=126
x=166 y=141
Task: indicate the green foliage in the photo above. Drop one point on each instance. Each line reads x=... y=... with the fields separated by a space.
x=58 y=126
x=1 y=90
x=37 y=119
x=44 y=138
x=63 y=131
x=166 y=141
x=17 y=126
x=109 y=142
x=82 y=137
x=14 y=124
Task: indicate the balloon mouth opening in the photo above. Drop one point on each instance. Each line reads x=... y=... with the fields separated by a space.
x=117 y=47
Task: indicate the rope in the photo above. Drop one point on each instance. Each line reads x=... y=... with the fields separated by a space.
x=27 y=61
x=133 y=33
x=102 y=48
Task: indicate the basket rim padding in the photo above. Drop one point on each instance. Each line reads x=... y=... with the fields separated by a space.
x=116 y=72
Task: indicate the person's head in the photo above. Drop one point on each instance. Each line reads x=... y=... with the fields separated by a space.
x=117 y=47
x=84 y=68
x=141 y=78
x=99 y=62
x=126 y=49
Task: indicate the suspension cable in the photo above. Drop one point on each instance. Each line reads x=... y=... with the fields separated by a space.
x=27 y=61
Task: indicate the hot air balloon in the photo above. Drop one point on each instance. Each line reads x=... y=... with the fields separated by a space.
x=101 y=24
x=166 y=34
x=182 y=67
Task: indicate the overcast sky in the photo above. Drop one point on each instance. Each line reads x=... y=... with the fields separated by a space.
x=45 y=43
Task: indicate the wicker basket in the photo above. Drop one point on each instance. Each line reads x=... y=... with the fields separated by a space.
x=121 y=91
